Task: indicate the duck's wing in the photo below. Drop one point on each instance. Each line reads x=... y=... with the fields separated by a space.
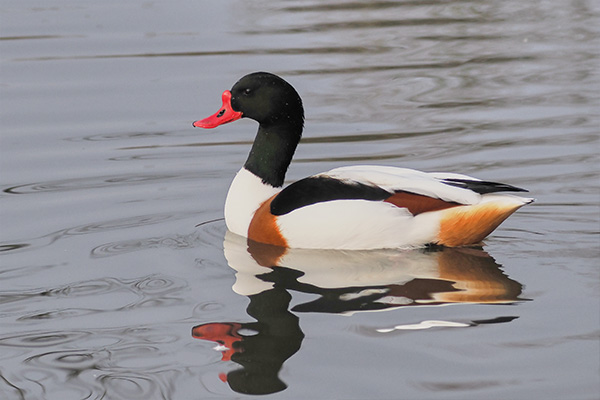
x=321 y=188
x=434 y=184
x=414 y=190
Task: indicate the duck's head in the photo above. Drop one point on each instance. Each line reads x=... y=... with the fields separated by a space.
x=276 y=106
x=261 y=96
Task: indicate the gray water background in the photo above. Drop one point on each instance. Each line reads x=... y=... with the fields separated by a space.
x=104 y=271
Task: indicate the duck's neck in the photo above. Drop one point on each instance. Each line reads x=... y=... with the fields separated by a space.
x=272 y=151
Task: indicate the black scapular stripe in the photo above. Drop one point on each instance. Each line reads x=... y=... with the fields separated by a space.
x=318 y=189
x=482 y=187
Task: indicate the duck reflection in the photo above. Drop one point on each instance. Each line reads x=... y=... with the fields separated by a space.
x=343 y=282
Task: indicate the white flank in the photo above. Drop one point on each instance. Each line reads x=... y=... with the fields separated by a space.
x=357 y=225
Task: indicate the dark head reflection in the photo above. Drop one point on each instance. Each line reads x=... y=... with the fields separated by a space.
x=260 y=347
x=342 y=282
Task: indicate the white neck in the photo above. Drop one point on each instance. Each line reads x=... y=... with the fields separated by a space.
x=246 y=193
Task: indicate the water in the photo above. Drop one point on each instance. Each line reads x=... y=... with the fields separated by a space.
x=116 y=272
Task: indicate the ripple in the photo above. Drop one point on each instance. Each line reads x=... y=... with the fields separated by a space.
x=466 y=386
x=380 y=135
x=256 y=51
x=127 y=246
x=102 y=137
x=210 y=233
x=371 y=24
x=151 y=291
x=414 y=66
x=75 y=361
x=77 y=289
x=155 y=291
x=124 y=223
x=62 y=314
x=130 y=387
x=110 y=225
x=208 y=306
x=66 y=185
x=136 y=350
x=87 y=288
x=353 y=5
x=161 y=156
x=39 y=37
x=154 y=285
x=13 y=246
x=43 y=339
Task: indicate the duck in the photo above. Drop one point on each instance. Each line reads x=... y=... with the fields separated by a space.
x=358 y=207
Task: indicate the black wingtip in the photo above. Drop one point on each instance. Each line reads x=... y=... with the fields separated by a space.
x=482 y=187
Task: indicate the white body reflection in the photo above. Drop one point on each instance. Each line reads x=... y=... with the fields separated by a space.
x=395 y=278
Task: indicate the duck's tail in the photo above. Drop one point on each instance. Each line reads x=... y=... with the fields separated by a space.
x=470 y=224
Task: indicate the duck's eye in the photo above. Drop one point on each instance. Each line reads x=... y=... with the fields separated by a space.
x=247 y=91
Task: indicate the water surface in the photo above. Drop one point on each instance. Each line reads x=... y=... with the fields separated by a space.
x=117 y=278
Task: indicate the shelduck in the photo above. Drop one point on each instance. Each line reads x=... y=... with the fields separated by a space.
x=357 y=207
